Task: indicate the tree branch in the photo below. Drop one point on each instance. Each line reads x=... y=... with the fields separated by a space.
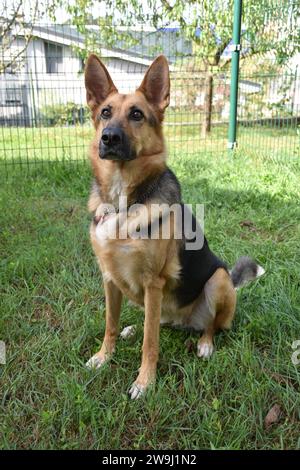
x=11 y=21
x=12 y=37
x=169 y=8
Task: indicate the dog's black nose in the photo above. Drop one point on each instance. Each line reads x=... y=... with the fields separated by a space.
x=111 y=136
x=115 y=145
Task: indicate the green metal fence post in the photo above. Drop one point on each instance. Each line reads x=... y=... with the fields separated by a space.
x=236 y=47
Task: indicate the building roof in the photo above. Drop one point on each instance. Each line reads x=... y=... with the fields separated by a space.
x=148 y=42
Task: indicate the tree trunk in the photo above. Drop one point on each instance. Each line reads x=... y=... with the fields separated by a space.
x=208 y=95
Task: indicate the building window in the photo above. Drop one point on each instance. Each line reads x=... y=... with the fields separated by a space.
x=54 y=58
x=13 y=96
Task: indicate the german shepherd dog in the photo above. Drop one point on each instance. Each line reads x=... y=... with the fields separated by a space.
x=189 y=288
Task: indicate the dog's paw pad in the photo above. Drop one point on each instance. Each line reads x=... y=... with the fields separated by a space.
x=136 y=391
x=95 y=362
x=128 y=332
x=205 y=350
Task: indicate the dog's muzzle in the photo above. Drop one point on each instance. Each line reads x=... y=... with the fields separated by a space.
x=115 y=145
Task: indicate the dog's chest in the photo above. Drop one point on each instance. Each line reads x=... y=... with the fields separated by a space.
x=117 y=187
x=121 y=261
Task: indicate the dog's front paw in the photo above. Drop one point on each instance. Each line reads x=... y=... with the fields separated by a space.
x=205 y=349
x=141 y=384
x=96 y=361
x=137 y=390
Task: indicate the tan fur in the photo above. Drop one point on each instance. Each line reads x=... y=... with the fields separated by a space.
x=218 y=304
x=145 y=271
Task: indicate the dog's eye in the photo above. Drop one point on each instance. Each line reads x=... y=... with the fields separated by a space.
x=106 y=113
x=136 y=115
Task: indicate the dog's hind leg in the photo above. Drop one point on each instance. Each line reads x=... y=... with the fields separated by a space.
x=113 y=298
x=215 y=310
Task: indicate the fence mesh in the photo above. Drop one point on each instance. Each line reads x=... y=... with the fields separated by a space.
x=269 y=116
x=43 y=112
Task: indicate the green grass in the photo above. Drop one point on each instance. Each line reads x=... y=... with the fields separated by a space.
x=52 y=310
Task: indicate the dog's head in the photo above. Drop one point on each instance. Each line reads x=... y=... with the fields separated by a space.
x=127 y=126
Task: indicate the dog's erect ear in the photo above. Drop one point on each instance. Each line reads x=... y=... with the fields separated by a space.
x=98 y=83
x=156 y=83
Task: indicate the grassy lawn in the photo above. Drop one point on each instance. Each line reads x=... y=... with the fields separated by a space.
x=52 y=307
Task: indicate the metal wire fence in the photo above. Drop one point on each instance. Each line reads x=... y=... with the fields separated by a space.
x=270 y=115
x=43 y=112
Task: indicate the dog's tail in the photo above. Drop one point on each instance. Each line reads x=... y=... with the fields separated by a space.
x=244 y=271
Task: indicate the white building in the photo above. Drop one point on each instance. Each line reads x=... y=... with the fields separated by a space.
x=51 y=70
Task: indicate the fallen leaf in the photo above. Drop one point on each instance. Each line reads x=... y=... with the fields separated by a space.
x=272 y=416
x=248 y=224
x=71 y=210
